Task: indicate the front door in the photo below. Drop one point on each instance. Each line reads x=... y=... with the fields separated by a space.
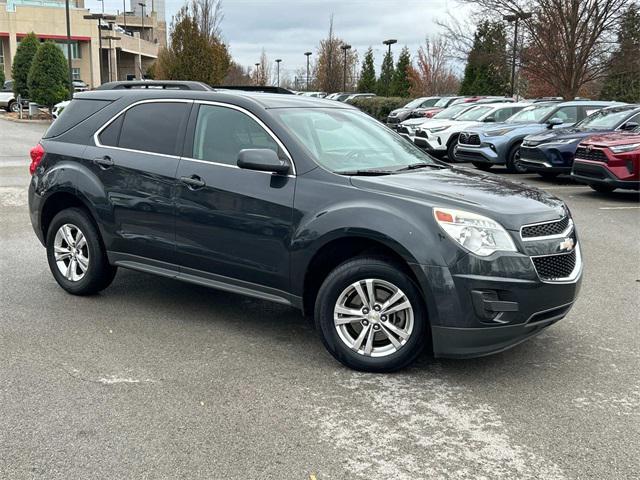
x=232 y=223
x=135 y=161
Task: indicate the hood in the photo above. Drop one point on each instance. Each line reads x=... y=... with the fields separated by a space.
x=561 y=134
x=510 y=203
x=436 y=122
x=613 y=139
x=398 y=111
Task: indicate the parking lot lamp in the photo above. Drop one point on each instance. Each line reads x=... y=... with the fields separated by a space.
x=143 y=5
x=257 y=73
x=390 y=42
x=111 y=37
x=99 y=17
x=307 y=54
x=278 y=60
x=66 y=6
x=344 y=48
x=515 y=17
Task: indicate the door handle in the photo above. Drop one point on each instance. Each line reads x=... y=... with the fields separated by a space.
x=193 y=182
x=104 y=162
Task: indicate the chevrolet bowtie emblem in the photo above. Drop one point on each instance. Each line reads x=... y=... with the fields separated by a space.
x=567 y=244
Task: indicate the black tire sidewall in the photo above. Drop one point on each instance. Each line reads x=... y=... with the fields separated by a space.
x=99 y=271
x=451 y=146
x=348 y=273
x=512 y=163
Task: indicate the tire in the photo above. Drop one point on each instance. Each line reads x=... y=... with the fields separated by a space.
x=97 y=274
x=548 y=175
x=451 y=146
x=485 y=167
x=13 y=107
x=602 y=188
x=408 y=326
x=513 y=160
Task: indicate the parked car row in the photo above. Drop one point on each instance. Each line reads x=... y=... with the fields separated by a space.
x=8 y=99
x=538 y=136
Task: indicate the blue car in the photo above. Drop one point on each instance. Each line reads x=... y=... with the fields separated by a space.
x=551 y=153
x=499 y=143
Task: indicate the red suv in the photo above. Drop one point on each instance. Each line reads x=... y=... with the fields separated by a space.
x=607 y=162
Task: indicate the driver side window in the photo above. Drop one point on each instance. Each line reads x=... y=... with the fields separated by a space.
x=567 y=114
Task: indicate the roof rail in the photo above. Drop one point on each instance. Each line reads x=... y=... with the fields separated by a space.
x=255 y=88
x=155 y=84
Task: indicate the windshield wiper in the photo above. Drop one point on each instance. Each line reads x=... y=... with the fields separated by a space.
x=415 y=166
x=368 y=172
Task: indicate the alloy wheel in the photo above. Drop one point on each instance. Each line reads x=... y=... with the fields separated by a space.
x=373 y=317
x=71 y=252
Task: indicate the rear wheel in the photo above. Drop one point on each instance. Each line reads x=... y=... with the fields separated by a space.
x=371 y=315
x=75 y=253
x=514 y=165
x=13 y=107
x=482 y=166
x=602 y=188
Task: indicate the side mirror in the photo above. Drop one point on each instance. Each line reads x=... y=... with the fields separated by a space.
x=490 y=119
x=629 y=126
x=262 y=160
x=554 y=122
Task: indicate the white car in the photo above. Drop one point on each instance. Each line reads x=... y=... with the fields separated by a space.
x=440 y=136
x=409 y=127
x=7 y=99
x=58 y=108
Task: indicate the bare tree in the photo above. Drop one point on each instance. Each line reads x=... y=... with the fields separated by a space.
x=330 y=65
x=208 y=15
x=433 y=73
x=263 y=70
x=567 y=41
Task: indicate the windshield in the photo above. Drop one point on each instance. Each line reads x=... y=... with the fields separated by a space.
x=604 y=119
x=531 y=114
x=452 y=112
x=346 y=140
x=442 y=102
x=414 y=103
x=473 y=114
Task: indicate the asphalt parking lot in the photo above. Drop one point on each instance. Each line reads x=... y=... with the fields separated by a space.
x=159 y=379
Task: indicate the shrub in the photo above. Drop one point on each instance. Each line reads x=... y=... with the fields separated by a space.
x=48 y=77
x=22 y=64
x=2 y=79
x=379 y=107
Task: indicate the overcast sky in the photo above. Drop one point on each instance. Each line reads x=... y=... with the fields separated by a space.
x=288 y=28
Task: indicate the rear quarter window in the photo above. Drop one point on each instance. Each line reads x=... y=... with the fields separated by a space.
x=73 y=114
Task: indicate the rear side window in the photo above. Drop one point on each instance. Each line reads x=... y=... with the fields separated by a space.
x=154 y=127
x=567 y=114
x=110 y=135
x=74 y=113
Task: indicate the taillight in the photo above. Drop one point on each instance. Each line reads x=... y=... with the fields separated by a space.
x=36 y=154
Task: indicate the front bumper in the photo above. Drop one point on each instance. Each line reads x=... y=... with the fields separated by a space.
x=484 y=306
x=549 y=160
x=431 y=143
x=484 y=153
x=598 y=173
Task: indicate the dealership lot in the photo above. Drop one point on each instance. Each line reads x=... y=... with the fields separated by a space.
x=159 y=379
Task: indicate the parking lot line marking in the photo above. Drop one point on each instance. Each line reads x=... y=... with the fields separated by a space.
x=618 y=208
x=313 y=477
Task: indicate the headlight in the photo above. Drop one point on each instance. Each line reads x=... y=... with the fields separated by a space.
x=437 y=129
x=624 y=148
x=497 y=133
x=560 y=142
x=476 y=233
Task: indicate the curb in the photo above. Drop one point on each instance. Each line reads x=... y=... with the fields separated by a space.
x=17 y=120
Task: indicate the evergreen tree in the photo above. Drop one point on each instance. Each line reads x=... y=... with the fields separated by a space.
x=400 y=84
x=623 y=78
x=48 y=79
x=367 y=81
x=22 y=64
x=383 y=88
x=2 y=79
x=487 y=70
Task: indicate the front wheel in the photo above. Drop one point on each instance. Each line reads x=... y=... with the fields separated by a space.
x=451 y=149
x=602 y=188
x=514 y=165
x=13 y=107
x=75 y=253
x=371 y=315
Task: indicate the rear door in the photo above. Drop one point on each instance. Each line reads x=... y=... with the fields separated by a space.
x=233 y=223
x=135 y=159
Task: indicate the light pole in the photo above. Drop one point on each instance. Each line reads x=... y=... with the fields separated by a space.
x=66 y=6
x=390 y=42
x=257 y=73
x=111 y=37
x=99 y=17
x=515 y=17
x=124 y=15
x=143 y=5
x=344 y=48
x=278 y=60
x=307 y=54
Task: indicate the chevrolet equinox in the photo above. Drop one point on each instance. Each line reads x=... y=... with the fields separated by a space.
x=307 y=203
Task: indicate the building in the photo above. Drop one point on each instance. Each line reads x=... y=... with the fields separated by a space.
x=127 y=47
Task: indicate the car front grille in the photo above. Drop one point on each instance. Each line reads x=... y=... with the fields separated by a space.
x=545 y=229
x=532 y=154
x=469 y=138
x=403 y=130
x=593 y=154
x=555 y=267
